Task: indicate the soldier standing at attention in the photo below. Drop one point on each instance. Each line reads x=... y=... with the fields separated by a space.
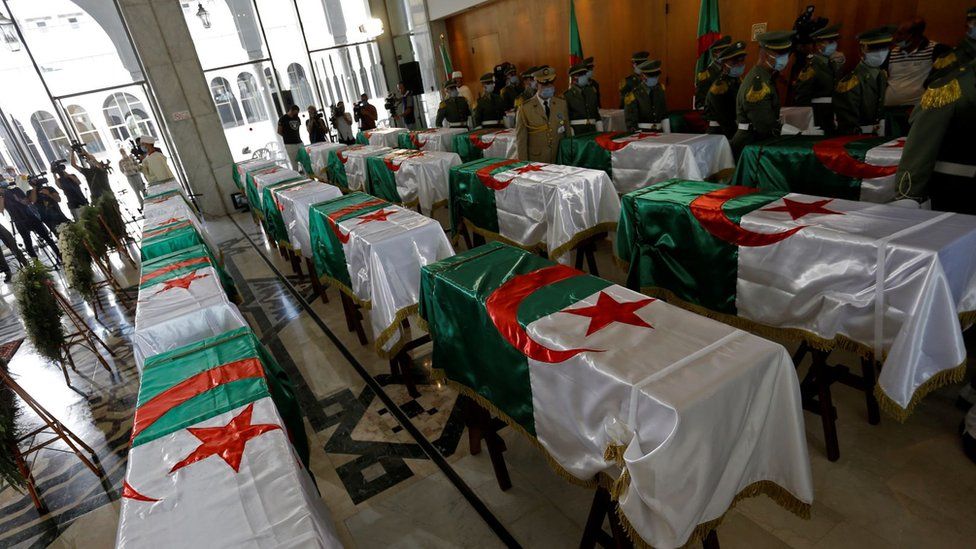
x=542 y=121
x=859 y=96
x=631 y=81
x=757 y=103
x=645 y=106
x=815 y=84
x=584 y=110
x=938 y=159
x=705 y=79
x=490 y=110
x=590 y=64
x=720 y=99
x=528 y=86
x=453 y=108
x=513 y=87
x=964 y=52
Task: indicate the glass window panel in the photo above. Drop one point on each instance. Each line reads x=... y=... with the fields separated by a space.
x=52 y=139
x=86 y=130
x=251 y=100
x=234 y=36
x=226 y=101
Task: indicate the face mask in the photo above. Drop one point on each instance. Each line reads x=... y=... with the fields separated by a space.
x=650 y=82
x=780 y=61
x=531 y=85
x=635 y=70
x=583 y=80
x=736 y=71
x=489 y=88
x=513 y=80
x=589 y=74
x=971 y=32
x=546 y=92
x=902 y=44
x=875 y=58
x=453 y=93
x=829 y=48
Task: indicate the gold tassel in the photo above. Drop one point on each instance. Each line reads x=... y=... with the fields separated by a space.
x=947 y=94
x=614 y=453
x=703 y=76
x=848 y=84
x=620 y=485
x=806 y=74
x=719 y=87
x=944 y=61
x=755 y=96
x=629 y=98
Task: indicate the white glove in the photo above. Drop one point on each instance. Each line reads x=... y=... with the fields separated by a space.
x=905 y=203
x=789 y=129
x=599 y=125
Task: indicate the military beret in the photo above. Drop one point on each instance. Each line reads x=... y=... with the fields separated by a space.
x=448 y=84
x=650 y=67
x=776 y=40
x=545 y=75
x=879 y=37
x=830 y=32
x=736 y=49
x=971 y=13
x=487 y=78
x=527 y=73
x=639 y=56
x=720 y=44
x=589 y=62
x=579 y=68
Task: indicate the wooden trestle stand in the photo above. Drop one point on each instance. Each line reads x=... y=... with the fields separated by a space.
x=82 y=335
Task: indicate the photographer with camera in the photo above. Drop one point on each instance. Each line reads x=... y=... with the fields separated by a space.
x=365 y=114
x=342 y=122
x=96 y=173
x=18 y=203
x=318 y=130
x=71 y=187
x=47 y=200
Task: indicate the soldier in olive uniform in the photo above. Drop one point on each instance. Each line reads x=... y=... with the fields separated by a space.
x=705 y=79
x=859 y=96
x=962 y=54
x=938 y=160
x=584 y=111
x=542 y=121
x=645 y=106
x=631 y=81
x=453 y=108
x=513 y=87
x=489 y=112
x=590 y=64
x=720 y=99
x=815 y=84
x=757 y=103
x=528 y=85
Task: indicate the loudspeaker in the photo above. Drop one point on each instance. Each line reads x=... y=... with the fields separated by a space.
x=410 y=75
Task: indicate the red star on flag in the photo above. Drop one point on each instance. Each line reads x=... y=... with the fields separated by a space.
x=379 y=215
x=529 y=168
x=181 y=282
x=800 y=209
x=167 y=222
x=608 y=310
x=227 y=442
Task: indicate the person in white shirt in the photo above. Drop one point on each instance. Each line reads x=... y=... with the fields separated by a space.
x=910 y=63
x=130 y=167
x=463 y=90
x=154 y=166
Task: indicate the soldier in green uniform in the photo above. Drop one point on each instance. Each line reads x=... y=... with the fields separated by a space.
x=631 y=81
x=757 y=103
x=489 y=112
x=720 y=99
x=705 y=79
x=962 y=54
x=645 y=106
x=859 y=96
x=453 y=108
x=938 y=160
x=815 y=84
x=528 y=86
x=584 y=111
x=590 y=64
x=513 y=87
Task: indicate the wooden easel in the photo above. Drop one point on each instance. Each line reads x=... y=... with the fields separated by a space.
x=108 y=282
x=56 y=430
x=118 y=245
x=83 y=336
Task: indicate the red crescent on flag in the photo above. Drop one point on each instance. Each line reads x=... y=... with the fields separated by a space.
x=833 y=154
x=128 y=492
x=388 y=160
x=342 y=157
x=606 y=140
x=707 y=209
x=475 y=138
x=417 y=142
x=334 y=216
x=502 y=306
x=488 y=180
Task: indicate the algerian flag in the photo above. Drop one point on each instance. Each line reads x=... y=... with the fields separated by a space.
x=258 y=181
x=380 y=137
x=240 y=169
x=446 y=60
x=575 y=44
x=315 y=158
x=700 y=410
x=347 y=166
x=531 y=204
x=272 y=210
x=813 y=266
x=217 y=449
x=709 y=29
x=486 y=144
x=411 y=177
x=156 y=189
x=432 y=139
x=181 y=262
x=169 y=238
x=851 y=167
x=294 y=203
x=636 y=160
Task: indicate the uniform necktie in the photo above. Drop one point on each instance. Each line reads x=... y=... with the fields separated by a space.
x=547 y=108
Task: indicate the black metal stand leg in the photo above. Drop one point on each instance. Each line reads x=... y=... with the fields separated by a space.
x=869 y=381
x=826 y=405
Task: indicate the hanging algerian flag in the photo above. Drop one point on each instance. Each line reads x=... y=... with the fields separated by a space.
x=604 y=377
x=347 y=166
x=411 y=177
x=709 y=29
x=850 y=167
x=738 y=251
x=575 y=44
x=446 y=59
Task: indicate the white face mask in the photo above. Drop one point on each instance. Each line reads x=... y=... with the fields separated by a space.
x=736 y=71
x=513 y=79
x=651 y=81
x=489 y=88
x=453 y=93
x=875 y=58
x=589 y=74
x=829 y=48
x=583 y=79
x=780 y=61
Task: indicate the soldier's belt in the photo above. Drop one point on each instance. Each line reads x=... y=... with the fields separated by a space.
x=713 y=124
x=870 y=128
x=582 y=122
x=822 y=100
x=458 y=124
x=954 y=168
x=648 y=126
x=483 y=122
x=744 y=126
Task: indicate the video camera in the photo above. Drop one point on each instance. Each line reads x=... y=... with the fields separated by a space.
x=58 y=167
x=136 y=148
x=38 y=180
x=806 y=24
x=391 y=103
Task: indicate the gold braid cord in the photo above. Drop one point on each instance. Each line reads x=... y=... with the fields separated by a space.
x=944 y=61
x=847 y=84
x=756 y=95
x=947 y=94
x=719 y=87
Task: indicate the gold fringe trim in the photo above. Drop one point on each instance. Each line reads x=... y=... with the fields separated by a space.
x=558 y=251
x=939 y=380
x=328 y=280
x=935 y=98
x=614 y=453
x=629 y=98
x=620 y=485
x=944 y=61
x=806 y=74
x=388 y=332
x=702 y=76
x=755 y=96
x=847 y=84
x=719 y=87
x=540 y=247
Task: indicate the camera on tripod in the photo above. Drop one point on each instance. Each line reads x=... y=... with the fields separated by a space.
x=136 y=149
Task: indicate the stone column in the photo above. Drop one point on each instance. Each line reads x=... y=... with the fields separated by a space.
x=162 y=40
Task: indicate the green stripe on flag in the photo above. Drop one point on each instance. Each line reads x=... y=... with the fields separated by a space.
x=446 y=59
x=361 y=138
x=306 y=161
x=327 y=251
x=465 y=149
x=336 y=171
x=709 y=28
x=575 y=44
x=381 y=180
x=471 y=199
x=170 y=242
x=404 y=141
x=272 y=215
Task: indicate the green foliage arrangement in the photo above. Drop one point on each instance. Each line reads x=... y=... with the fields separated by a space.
x=77 y=260
x=98 y=239
x=9 y=433
x=112 y=215
x=39 y=310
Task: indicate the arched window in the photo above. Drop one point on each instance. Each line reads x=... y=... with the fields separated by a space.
x=85 y=128
x=35 y=154
x=250 y=98
x=53 y=141
x=12 y=150
x=126 y=117
x=227 y=107
x=301 y=92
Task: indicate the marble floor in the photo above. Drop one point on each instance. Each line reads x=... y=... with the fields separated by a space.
x=895 y=485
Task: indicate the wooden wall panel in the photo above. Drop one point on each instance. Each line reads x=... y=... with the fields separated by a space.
x=533 y=32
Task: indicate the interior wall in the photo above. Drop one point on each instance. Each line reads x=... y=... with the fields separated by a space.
x=537 y=31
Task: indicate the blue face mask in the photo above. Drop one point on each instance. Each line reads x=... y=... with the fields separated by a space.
x=546 y=92
x=453 y=93
x=736 y=71
x=589 y=74
x=489 y=88
x=781 y=61
x=513 y=80
x=583 y=79
x=971 y=32
x=875 y=58
x=829 y=48
x=651 y=81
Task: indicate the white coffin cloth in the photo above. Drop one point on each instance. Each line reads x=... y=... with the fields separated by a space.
x=295 y=202
x=502 y=144
x=882 y=190
x=661 y=157
x=424 y=177
x=704 y=411
x=271 y=176
x=613 y=120
x=318 y=154
x=168 y=319
x=158 y=188
x=798 y=117
x=355 y=163
x=555 y=205
x=270 y=502
x=252 y=165
x=438 y=139
x=384 y=259
x=825 y=278
x=172 y=209
x=384 y=137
